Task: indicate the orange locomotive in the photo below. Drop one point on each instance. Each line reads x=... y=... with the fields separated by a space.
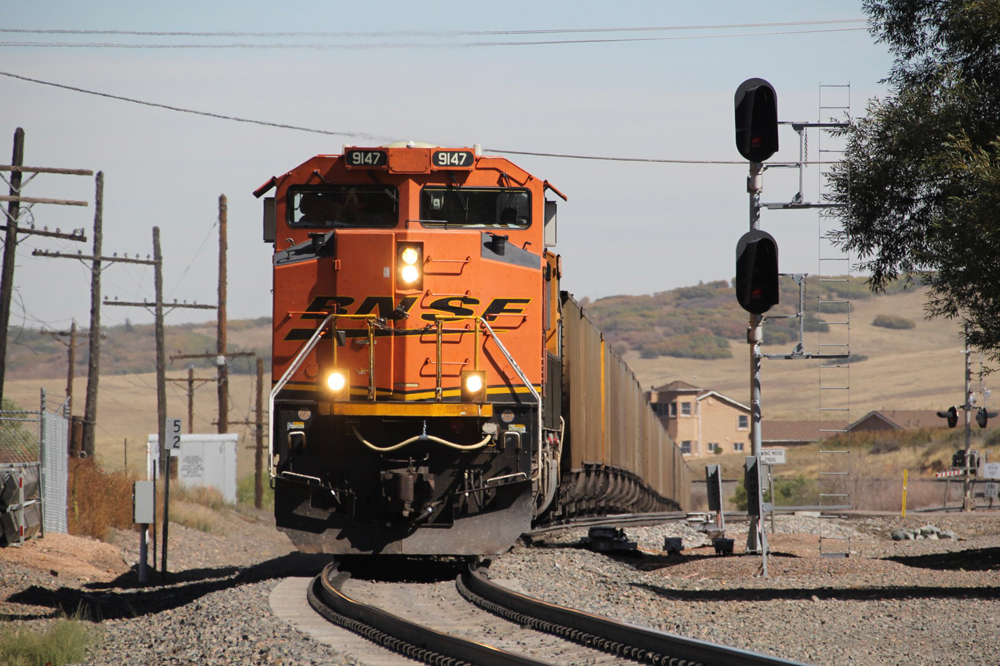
x=416 y=403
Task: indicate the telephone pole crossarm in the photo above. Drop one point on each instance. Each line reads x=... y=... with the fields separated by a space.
x=17 y=168
x=171 y=306
x=111 y=259
x=74 y=236
x=181 y=357
x=38 y=200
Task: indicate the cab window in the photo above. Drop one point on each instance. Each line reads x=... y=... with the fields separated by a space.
x=337 y=206
x=475 y=207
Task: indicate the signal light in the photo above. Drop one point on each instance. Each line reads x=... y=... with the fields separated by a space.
x=473 y=386
x=952 y=415
x=756 y=120
x=409 y=266
x=757 y=272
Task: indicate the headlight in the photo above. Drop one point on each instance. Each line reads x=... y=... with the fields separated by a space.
x=336 y=384
x=473 y=386
x=335 y=381
x=473 y=383
x=409 y=255
x=409 y=274
x=409 y=265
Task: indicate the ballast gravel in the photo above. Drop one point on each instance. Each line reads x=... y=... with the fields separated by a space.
x=919 y=601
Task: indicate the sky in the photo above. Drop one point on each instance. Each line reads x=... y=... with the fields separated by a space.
x=433 y=71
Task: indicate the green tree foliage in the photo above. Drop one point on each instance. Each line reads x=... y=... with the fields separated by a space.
x=920 y=182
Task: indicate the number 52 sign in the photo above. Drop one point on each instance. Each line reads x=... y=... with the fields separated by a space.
x=173 y=433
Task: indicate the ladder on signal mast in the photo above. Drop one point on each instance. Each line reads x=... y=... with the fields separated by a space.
x=833 y=310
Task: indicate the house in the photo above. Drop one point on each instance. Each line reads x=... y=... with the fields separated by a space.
x=782 y=434
x=880 y=420
x=701 y=420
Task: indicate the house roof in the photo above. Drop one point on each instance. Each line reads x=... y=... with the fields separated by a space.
x=719 y=396
x=679 y=386
x=799 y=431
x=903 y=419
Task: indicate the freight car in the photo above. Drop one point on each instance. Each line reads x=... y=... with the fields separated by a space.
x=433 y=390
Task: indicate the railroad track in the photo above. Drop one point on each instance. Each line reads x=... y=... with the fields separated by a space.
x=439 y=628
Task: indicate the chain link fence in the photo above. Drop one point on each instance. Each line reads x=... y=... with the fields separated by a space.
x=36 y=443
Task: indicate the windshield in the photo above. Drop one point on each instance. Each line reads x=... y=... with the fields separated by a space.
x=475 y=206
x=343 y=206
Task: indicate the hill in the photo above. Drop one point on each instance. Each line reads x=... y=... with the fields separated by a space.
x=695 y=334
x=698 y=335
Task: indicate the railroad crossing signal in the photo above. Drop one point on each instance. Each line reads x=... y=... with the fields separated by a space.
x=757 y=271
x=951 y=414
x=756 y=120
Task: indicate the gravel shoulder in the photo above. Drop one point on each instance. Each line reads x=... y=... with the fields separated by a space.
x=930 y=601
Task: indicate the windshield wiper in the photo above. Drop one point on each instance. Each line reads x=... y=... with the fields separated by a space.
x=461 y=197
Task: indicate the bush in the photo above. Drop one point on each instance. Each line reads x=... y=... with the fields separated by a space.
x=245 y=492
x=698 y=345
x=893 y=321
x=98 y=500
x=796 y=491
x=65 y=641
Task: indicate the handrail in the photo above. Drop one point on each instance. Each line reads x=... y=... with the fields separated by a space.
x=531 y=388
x=308 y=347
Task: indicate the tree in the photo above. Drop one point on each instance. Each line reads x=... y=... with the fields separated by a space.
x=920 y=181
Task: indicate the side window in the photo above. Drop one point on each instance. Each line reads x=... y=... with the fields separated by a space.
x=737 y=446
x=743 y=422
x=685 y=409
x=673 y=410
x=686 y=447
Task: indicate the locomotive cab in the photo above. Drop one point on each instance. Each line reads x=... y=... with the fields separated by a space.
x=416 y=377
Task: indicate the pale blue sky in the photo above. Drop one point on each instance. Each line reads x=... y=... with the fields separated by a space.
x=627 y=228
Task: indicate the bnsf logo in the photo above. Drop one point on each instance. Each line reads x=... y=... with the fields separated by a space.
x=383 y=306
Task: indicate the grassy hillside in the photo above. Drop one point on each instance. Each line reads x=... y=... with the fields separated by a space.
x=702 y=326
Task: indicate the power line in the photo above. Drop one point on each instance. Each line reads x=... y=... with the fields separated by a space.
x=374 y=137
x=423 y=33
x=412 y=45
x=359 y=135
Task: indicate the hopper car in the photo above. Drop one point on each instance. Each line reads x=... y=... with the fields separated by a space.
x=433 y=390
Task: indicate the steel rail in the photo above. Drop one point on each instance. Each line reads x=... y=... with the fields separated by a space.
x=411 y=639
x=650 y=518
x=639 y=643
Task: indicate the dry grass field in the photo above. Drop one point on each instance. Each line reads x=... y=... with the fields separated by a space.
x=918 y=368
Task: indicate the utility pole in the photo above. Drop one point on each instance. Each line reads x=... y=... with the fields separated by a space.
x=258 y=461
x=190 y=381
x=220 y=339
x=94 y=357
x=968 y=501
x=221 y=356
x=161 y=380
x=258 y=423
x=11 y=229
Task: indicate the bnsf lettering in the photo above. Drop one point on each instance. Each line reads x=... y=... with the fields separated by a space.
x=321 y=304
x=384 y=305
x=450 y=306
x=501 y=306
x=447 y=306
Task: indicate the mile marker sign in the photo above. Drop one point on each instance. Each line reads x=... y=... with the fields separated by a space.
x=772 y=456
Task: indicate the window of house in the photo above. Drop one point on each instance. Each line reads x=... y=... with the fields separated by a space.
x=686 y=447
x=685 y=409
x=713 y=447
x=743 y=422
x=673 y=409
x=737 y=446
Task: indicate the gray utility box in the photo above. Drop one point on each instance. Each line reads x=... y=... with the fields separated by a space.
x=143 y=499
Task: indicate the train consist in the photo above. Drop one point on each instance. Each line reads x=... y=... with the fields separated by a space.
x=433 y=390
